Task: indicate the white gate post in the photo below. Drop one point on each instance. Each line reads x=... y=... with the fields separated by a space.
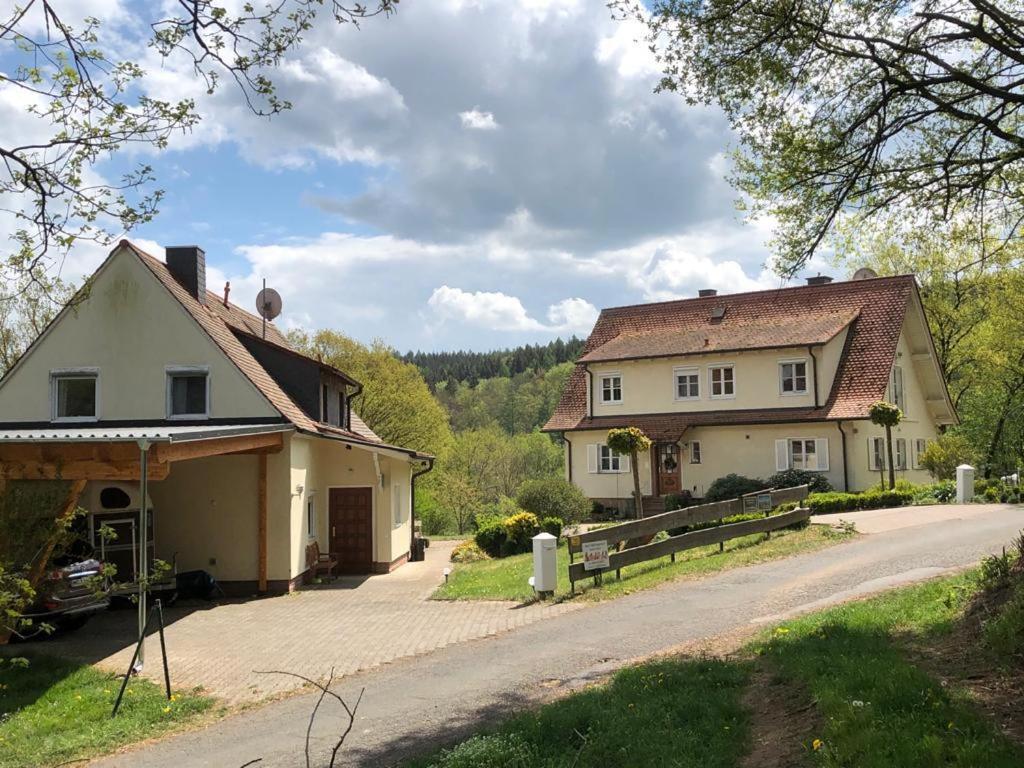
x=964 y=483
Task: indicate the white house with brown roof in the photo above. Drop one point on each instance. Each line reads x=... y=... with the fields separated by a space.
x=253 y=452
x=754 y=383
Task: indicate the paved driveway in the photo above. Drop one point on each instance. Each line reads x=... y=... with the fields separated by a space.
x=882 y=520
x=352 y=624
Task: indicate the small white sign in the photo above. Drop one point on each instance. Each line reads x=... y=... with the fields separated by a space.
x=595 y=555
x=764 y=502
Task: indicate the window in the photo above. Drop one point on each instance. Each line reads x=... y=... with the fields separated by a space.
x=810 y=454
x=188 y=393
x=896 y=394
x=723 y=381
x=611 y=388
x=920 y=446
x=342 y=411
x=900 y=448
x=602 y=459
x=397 y=505
x=876 y=453
x=793 y=377
x=687 y=384
x=695 y=455
x=311 y=516
x=74 y=395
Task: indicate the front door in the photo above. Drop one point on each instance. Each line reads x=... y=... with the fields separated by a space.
x=669 y=478
x=351 y=518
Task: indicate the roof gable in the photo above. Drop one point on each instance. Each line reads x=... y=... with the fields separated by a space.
x=874 y=310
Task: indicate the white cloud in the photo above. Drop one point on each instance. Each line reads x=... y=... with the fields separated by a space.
x=493 y=311
x=475 y=120
x=574 y=315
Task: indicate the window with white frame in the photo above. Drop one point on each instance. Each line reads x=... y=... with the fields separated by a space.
x=188 y=392
x=602 y=459
x=687 y=383
x=397 y=504
x=896 y=393
x=74 y=395
x=723 y=381
x=793 y=377
x=311 y=516
x=611 y=388
x=920 y=446
x=695 y=452
x=876 y=453
x=808 y=453
x=900 y=448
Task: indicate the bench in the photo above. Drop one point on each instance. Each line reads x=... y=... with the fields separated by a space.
x=320 y=562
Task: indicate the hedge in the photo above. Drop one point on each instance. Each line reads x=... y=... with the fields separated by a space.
x=828 y=503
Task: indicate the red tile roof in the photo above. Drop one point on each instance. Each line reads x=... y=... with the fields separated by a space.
x=873 y=308
x=218 y=321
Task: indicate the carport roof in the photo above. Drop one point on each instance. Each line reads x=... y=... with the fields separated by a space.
x=163 y=433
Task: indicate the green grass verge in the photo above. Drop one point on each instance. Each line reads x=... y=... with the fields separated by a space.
x=668 y=713
x=507 y=578
x=873 y=708
x=54 y=711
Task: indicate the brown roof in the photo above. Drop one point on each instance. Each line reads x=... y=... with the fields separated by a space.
x=797 y=316
x=218 y=321
x=728 y=335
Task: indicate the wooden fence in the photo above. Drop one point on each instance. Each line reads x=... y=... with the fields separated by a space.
x=617 y=537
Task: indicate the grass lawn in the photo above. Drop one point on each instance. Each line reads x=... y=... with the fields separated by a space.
x=506 y=578
x=55 y=711
x=848 y=691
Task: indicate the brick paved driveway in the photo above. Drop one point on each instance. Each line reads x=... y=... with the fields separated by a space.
x=351 y=624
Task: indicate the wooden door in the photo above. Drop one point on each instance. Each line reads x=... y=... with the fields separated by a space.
x=351 y=519
x=669 y=477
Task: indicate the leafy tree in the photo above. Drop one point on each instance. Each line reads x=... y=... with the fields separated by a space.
x=944 y=455
x=554 y=497
x=856 y=105
x=460 y=498
x=395 y=402
x=450 y=368
x=887 y=415
x=630 y=441
x=497 y=464
x=24 y=315
x=89 y=104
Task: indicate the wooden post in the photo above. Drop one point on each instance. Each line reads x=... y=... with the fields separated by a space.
x=38 y=568
x=261 y=503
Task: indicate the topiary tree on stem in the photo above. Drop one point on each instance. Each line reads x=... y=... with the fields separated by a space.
x=631 y=441
x=887 y=415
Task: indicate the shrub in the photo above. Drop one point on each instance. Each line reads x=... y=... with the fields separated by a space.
x=678 y=500
x=493 y=751
x=435 y=520
x=468 y=552
x=991 y=494
x=829 y=503
x=554 y=497
x=790 y=478
x=491 y=538
x=944 y=490
x=944 y=455
x=552 y=525
x=519 y=530
x=731 y=486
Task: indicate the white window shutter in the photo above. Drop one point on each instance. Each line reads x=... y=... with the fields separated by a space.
x=872 y=464
x=781 y=455
x=624 y=464
x=592 y=458
x=821 y=451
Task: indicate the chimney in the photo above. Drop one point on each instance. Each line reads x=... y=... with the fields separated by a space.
x=703 y=293
x=188 y=265
x=819 y=280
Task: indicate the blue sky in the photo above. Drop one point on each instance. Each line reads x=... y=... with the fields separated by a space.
x=462 y=175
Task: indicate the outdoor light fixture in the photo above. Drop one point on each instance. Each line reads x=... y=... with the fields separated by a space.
x=447 y=573
x=299 y=489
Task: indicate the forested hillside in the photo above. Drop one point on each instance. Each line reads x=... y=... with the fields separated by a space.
x=471 y=367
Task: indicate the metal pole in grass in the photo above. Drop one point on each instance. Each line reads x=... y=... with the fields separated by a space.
x=143 y=572
x=163 y=647
x=131 y=668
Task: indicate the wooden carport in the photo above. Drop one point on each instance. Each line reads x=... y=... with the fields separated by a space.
x=79 y=454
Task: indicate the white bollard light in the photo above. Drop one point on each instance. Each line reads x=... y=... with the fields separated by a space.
x=964 y=483
x=545 y=563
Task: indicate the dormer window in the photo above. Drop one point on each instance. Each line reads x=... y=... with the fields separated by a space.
x=74 y=394
x=188 y=392
x=793 y=377
x=611 y=388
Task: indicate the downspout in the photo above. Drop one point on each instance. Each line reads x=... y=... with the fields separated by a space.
x=814 y=363
x=590 y=392
x=568 y=448
x=412 y=502
x=348 y=405
x=846 y=479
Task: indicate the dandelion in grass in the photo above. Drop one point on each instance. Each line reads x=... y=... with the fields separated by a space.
x=817 y=744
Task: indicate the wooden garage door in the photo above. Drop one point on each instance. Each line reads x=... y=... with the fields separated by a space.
x=351 y=518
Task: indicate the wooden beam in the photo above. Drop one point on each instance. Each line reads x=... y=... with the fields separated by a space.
x=80 y=470
x=261 y=511
x=53 y=453
x=272 y=442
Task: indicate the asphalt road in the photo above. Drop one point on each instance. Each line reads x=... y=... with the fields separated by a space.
x=415 y=704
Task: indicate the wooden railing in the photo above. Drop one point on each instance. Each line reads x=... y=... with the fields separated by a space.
x=618 y=537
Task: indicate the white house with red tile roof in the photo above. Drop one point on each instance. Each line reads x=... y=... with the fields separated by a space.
x=754 y=383
x=252 y=450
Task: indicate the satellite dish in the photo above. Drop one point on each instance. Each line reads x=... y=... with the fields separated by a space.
x=864 y=273
x=268 y=303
